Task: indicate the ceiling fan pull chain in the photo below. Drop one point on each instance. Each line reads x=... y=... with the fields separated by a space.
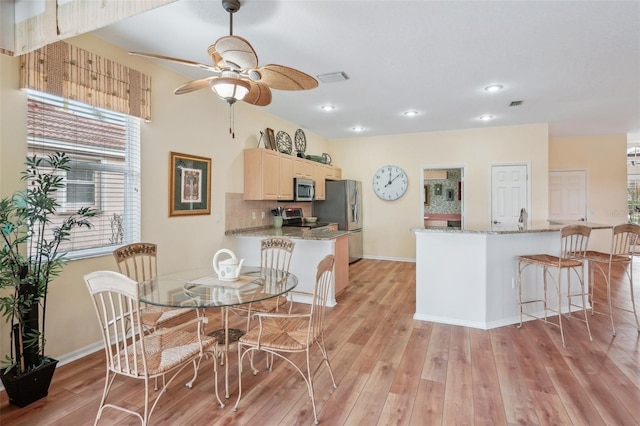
x=231 y=122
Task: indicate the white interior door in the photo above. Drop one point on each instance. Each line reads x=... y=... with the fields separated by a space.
x=568 y=195
x=509 y=193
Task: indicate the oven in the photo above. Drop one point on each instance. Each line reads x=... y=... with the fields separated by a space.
x=294 y=217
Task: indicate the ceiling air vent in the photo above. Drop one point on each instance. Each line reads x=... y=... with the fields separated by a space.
x=516 y=103
x=333 y=77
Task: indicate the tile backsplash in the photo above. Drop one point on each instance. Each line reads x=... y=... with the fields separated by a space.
x=241 y=214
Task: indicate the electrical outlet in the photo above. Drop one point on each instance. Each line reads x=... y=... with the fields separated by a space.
x=253 y=215
x=263 y=215
x=513 y=282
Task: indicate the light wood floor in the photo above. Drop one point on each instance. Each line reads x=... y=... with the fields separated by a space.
x=391 y=369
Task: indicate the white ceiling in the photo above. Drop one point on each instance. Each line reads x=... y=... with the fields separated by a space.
x=574 y=64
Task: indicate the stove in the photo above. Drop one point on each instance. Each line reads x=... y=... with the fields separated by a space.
x=293 y=217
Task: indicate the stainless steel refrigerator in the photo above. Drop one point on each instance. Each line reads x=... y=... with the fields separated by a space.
x=343 y=205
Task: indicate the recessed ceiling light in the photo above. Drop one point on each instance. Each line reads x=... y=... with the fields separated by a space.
x=357 y=128
x=486 y=117
x=493 y=88
x=327 y=107
x=410 y=113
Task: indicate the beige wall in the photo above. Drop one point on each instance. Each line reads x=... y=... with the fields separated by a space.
x=605 y=160
x=387 y=224
x=198 y=123
x=195 y=123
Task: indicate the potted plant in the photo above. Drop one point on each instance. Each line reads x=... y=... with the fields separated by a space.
x=29 y=260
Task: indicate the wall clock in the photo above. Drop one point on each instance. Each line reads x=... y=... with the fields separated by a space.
x=390 y=182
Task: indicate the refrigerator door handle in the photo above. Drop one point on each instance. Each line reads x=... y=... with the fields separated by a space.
x=354 y=205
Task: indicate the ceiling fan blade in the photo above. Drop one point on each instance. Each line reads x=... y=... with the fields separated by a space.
x=177 y=61
x=236 y=52
x=194 y=85
x=286 y=78
x=259 y=94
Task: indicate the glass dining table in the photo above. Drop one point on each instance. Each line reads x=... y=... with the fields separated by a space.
x=201 y=288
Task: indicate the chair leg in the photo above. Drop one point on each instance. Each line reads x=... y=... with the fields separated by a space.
x=633 y=298
x=608 y=279
x=584 y=302
x=559 y=307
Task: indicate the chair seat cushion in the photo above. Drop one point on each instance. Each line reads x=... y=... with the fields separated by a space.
x=600 y=257
x=164 y=352
x=549 y=260
x=280 y=333
x=155 y=316
x=269 y=305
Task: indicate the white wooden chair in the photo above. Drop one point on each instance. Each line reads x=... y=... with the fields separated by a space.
x=623 y=243
x=275 y=258
x=283 y=334
x=131 y=350
x=139 y=261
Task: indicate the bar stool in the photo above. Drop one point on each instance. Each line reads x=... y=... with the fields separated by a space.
x=623 y=241
x=573 y=246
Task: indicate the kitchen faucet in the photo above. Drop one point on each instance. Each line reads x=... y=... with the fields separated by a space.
x=523 y=216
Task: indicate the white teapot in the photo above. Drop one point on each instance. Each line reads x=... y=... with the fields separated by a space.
x=228 y=269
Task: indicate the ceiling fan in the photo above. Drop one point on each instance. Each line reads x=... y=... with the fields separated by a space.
x=236 y=74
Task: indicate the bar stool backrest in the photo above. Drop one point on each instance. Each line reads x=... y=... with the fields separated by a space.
x=625 y=238
x=574 y=241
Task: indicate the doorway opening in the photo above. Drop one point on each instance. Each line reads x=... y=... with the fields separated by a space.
x=443 y=197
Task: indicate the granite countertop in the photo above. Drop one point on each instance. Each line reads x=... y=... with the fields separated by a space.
x=541 y=226
x=289 y=232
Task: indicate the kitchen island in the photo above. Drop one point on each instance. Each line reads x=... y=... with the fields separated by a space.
x=468 y=276
x=312 y=245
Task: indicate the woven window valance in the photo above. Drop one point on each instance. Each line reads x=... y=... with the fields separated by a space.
x=73 y=73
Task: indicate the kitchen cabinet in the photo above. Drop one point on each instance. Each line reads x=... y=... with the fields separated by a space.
x=268 y=175
x=320 y=176
x=333 y=173
x=302 y=168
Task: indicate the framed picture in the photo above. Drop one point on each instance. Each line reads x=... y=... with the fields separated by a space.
x=271 y=139
x=267 y=140
x=449 y=194
x=437 y=189
x=189 y=185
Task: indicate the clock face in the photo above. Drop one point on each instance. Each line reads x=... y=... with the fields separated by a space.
x=390 y=182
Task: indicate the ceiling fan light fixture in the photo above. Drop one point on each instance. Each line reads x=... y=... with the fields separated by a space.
x=230 y=89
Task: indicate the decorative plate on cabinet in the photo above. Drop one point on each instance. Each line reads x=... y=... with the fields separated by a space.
x=301 y=142
x=283 y=142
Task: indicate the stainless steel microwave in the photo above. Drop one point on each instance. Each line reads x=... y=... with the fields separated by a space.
x=303 y=189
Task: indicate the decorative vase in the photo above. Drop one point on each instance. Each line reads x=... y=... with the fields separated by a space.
x=29 y=387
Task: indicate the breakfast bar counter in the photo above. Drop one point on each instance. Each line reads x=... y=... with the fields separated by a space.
x=289 y=232
x=468 y=276
x=312 y=245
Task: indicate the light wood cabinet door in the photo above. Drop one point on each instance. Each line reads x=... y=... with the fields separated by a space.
x=285 y=175
x=302 y=168
x=319 y=176
x=268 y=175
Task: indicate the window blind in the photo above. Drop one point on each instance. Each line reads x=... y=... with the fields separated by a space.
x=104 y=148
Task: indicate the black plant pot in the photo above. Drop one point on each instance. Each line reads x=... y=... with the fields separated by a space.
x=26 y=388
